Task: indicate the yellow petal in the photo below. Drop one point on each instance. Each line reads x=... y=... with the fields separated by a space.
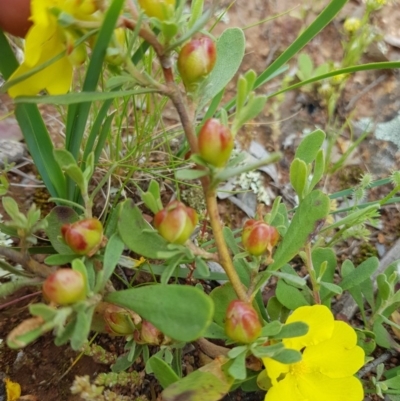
x=318 y=387
x=56 y=79
x=286 y=390
x=274 y=369
x=13 y=390
x=337 y=357
x=320 y=323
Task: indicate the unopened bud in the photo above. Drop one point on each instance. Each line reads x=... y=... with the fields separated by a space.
x=242 y=323
x=150 y=334
x=196 y=60
x=65 y=286
x=160 y=9
x=119 y=321
x=84 y=237
x=176 y=222
x=259 y=237
x=215 y=142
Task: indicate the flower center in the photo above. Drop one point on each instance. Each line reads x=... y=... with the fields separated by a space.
x=298 y=369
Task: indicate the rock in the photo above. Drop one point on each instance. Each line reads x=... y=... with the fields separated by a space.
x=11 y=151
x=9 y=129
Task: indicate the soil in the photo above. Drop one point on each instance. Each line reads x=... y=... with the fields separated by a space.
x=46 y=371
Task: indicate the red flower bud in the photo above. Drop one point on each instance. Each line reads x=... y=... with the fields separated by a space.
x=242 y=323
x=150 y=334
x=84 y=237
x=161 y=9
x=215 y=142
x=14 y=17
x=176 y=222
x=65 y=286
x=259 y=237
x=196 y=60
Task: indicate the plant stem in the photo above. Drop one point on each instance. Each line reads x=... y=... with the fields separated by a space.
x=224 y=257
x=311 y=272
x=38 y=269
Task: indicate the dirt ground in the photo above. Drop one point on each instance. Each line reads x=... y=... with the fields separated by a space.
x=41 y=367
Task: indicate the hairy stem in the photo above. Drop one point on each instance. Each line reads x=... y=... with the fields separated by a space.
x=29 y=264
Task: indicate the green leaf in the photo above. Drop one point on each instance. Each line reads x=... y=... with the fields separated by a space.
x=271 y=329
x=310 y=146
x=201 y=385
x=222 y=297
x=290 y=330
x=309 y=216
x=335 y=289
x=78 y=114
x=360 y=274
x=320 y=256
x=79 y=266
x=171 y=265
x=81 y=329
x=306 y=66
x=238 y=367
x=288 y=356
x=68 y=164
x=41 y=147
x=163 y=372
x=215 y=331
x=135 y=232
x=59 y=216
x=8 y=61
x=319 y=169
x=298 y=176
x=44 y=311
x=323 y=19
x=190 y=174
x=230 y=52
x=252 y=109
x=267 y=351
x=180 y=312
x=76 y=98
x=290 y=297
x=291 y=279
x=384 y=288
x=202 y=267
x=112 y=254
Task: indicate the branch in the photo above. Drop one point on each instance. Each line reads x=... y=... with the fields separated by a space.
x=29 y=264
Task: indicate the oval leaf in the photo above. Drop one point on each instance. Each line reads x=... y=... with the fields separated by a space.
x=180 y=312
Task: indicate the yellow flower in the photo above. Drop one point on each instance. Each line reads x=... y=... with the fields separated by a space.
x=161 y=9
x=352 y=25
x=330 y=358
x=45 y=40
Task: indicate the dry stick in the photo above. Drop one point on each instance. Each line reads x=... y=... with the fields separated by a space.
x=26 y=261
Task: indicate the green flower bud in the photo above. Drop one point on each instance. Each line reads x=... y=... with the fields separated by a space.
x=215 y=143
x=176 y=222
x=119 y=321
x=84 y=237
x=65 y=286
x=242 y=323
x=196 y=60
x=259 y=237
x=161 y=9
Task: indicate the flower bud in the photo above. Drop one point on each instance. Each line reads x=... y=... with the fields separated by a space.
x=119 y=321
x=196 y=60
x=215 y=142
x=150 y=334
x=65 y=286
x=259 y=237
x=161 y=9
x=84 y=237
x=176 y=222
x=241 y=322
